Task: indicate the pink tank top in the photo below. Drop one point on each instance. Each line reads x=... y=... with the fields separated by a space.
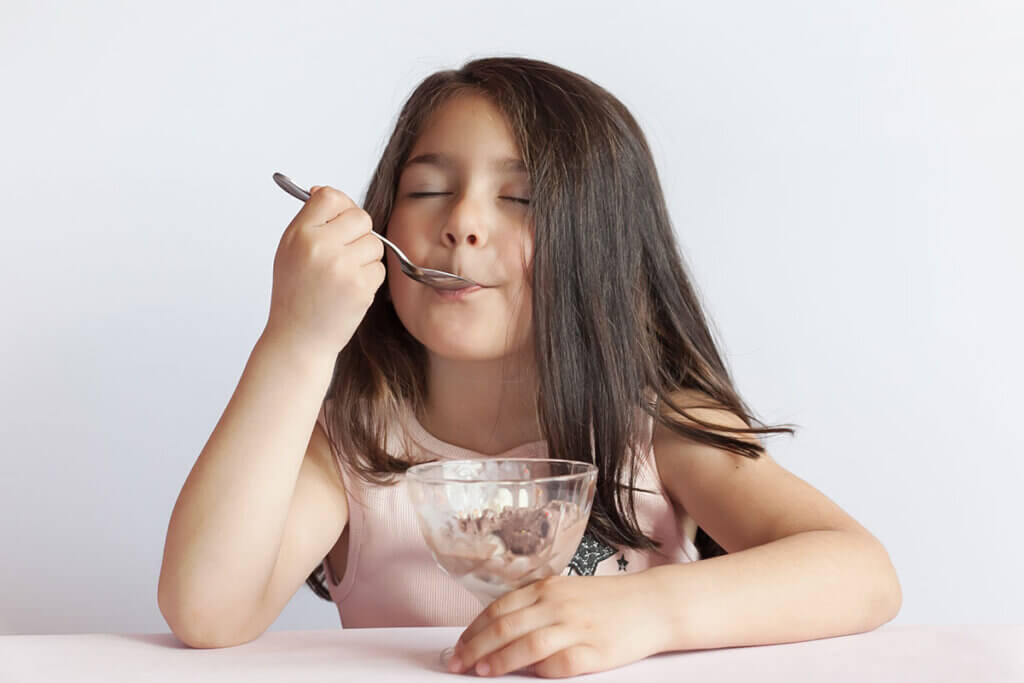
x=391 y=578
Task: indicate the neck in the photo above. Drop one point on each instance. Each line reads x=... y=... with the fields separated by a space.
x=485 y=406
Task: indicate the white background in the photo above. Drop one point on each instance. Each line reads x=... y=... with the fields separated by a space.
x=845 y=179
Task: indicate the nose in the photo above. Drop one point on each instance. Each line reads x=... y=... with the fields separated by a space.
x=465 y=224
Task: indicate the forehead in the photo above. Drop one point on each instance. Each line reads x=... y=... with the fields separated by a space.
x=468 y=129
x=504 y=165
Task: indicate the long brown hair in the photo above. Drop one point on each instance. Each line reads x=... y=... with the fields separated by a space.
x=616 y=322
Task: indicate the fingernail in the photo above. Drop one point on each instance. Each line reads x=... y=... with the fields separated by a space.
x=482 y=669
x=455 y=665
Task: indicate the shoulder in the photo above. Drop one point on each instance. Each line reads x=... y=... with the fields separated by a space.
x=741 y=502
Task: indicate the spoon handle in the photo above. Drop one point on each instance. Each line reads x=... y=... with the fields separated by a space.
x=294 y=190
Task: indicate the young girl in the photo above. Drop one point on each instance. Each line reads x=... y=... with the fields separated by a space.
x=585 y=340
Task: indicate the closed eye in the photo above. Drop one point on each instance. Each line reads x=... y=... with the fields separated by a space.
x=521 y=200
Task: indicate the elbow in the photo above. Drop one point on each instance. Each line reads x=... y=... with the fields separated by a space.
x=197 y=638
x=894 y=596
x=200 y=640
x=878 y=596
x=885 y=606
x=199 y=633
x=197 y=628
x=187 y=625
x=888 y=593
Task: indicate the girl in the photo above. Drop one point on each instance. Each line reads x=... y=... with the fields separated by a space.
x=585 y=340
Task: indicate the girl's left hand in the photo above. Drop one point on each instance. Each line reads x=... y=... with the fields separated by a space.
x=564 y=626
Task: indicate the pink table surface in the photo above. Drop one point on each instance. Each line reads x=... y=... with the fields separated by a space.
x=904 y=653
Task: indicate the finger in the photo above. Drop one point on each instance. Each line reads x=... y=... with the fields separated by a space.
x=348 y=227
x=502 y=632
x=362 y=251
x=536 y=646
x=322 y=206
x=510 y=602
x=371 y=249
x=570 y=661
x=377 y=272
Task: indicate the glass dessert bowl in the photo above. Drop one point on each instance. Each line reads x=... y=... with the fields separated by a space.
x=498 y=524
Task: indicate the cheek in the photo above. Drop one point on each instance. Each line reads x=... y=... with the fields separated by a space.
x=520 y=259
x=394 y=229
x=410 y=238
x=398 y=283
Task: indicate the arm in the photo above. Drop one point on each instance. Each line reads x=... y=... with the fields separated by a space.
x=815 y=584
x=250 y=499
x=265 y=502
x=799 y=567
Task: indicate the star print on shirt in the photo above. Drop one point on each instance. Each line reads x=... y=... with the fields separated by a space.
x=589 y=553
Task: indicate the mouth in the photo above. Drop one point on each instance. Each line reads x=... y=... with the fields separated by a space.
x=453 y=269
x=458 y=294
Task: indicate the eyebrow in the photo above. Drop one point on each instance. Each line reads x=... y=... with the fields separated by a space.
x=506 y=164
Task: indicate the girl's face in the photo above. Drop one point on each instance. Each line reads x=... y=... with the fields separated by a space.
x=461 y=207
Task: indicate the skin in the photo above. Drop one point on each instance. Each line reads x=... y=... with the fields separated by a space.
x=481 y=373
x=798 y=567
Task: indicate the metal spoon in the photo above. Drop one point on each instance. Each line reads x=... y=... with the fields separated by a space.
x=438 y=279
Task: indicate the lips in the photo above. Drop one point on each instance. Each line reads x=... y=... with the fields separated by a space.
x=457 y=294
x=455 y=269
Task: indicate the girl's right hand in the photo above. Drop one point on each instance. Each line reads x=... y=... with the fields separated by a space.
x=326 y=271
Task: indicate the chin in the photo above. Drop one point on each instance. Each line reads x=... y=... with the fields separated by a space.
x=458 y=334
x=467 y=349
